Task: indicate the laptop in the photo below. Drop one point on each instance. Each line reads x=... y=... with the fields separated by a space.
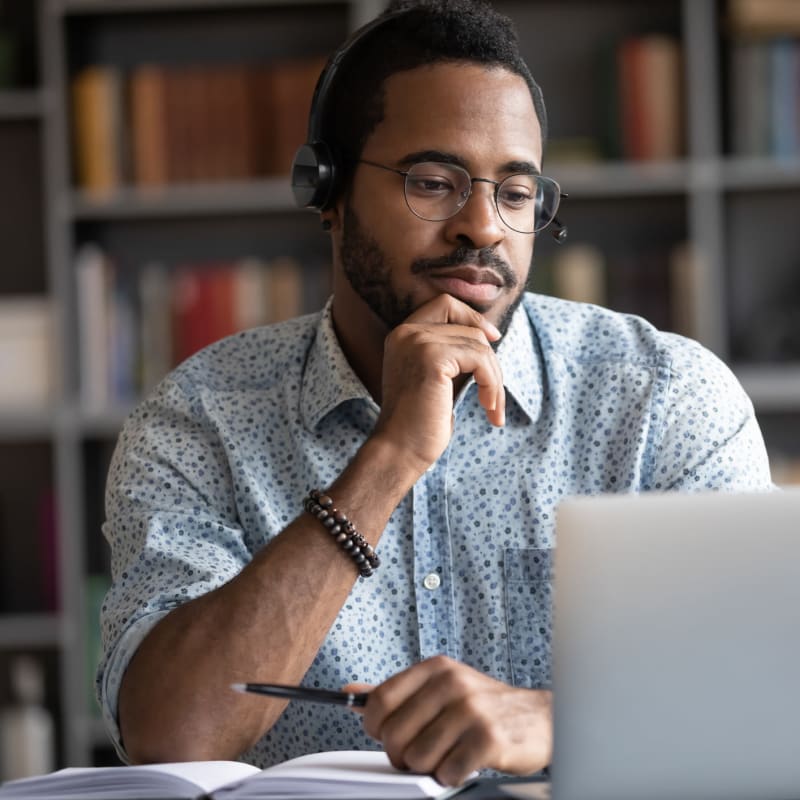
x=677 y=647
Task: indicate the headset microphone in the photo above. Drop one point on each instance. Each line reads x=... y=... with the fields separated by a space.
x=559 y=231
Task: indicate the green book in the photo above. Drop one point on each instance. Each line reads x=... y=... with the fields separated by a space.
x=8 y=58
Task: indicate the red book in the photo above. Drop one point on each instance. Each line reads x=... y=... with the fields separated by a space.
x=632 y=89
x=187 y=328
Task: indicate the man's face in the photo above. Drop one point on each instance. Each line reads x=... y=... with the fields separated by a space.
x=390 y=261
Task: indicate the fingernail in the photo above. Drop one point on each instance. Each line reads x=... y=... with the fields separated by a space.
x=493 y=330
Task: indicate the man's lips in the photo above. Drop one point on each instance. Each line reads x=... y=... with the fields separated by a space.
x=469 y=284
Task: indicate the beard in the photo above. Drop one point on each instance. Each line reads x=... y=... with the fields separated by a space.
x=370 y=275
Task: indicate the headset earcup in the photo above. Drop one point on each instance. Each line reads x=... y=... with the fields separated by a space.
x=313 y=176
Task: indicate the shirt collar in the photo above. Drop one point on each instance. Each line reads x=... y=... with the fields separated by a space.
x=521 y=364
x=329 y=380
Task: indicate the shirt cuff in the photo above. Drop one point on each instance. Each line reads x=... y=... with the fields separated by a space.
x=110 y=679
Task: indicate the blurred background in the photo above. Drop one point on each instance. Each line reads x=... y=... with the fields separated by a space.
x=145 y=211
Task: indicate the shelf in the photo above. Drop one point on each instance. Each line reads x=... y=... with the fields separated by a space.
x=771 y=387
x=29 y=630
x=187 y=200
x=704 y=198
x=761 y=173
x=17 y=104
x=101 y=424
x=275 y=195
x=618 y=179
x=665 y=178
x=64 y=7
x=23 y=424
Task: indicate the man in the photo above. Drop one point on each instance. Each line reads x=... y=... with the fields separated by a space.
x=442 y=410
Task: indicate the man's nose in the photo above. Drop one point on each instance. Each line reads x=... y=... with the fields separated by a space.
x=478 y=220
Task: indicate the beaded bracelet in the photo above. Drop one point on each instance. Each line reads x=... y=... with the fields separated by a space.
x=343 y=532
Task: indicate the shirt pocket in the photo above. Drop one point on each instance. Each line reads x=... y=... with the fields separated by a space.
x=529 y=600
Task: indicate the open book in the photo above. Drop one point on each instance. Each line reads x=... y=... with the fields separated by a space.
x=350 y=774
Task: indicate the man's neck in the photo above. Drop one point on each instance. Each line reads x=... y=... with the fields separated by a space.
x=362 y=345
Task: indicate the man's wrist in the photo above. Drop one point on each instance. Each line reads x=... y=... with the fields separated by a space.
x=399 y=467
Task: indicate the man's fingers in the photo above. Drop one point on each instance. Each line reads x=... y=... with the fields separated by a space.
x=491 y=392
x=357 y=688
x=447 y=310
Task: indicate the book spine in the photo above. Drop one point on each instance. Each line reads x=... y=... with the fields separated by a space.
x=291 y=89
x=285 y=289
x=97 y=129
x=91 y=275
x=631 y=92
x=148 y=131
x=155 y=324
x=764 y=17
x=579 y=274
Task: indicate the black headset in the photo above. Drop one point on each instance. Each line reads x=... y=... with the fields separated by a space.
x=315 y=171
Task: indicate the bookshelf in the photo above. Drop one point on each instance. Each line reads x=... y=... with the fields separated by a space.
x=736 y=212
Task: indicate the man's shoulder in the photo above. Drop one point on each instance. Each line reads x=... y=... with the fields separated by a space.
x=581 y=332
x=252 y=359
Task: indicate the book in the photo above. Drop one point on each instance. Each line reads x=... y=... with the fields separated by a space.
x=47 y=523
x=148 y=110
x=579 y=274
x=251 y=294
x=764 y=17
x=350 y=774
x=155 y=324
x=651 y=97
x=683 y=279
x=290 y=88
x=785 y=97
x=92 y=280
x=750 y=98
x=27 y=331
x=285 y=289
x=96 y=587
x=98 y=128
x=8 y=59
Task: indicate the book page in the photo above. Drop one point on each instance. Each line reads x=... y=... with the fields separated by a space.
x=348 y=773
x=178 y=780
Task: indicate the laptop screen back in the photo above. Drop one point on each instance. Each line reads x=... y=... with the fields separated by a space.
x=677 y=647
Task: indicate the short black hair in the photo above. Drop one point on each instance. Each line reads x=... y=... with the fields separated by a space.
x=426 y=32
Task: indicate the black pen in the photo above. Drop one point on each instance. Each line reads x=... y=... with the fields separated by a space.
x=349 y=699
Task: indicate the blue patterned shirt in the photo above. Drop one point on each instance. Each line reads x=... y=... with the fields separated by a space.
x=218 y=460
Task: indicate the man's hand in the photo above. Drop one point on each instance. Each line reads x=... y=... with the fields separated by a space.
x=444 y=718
x=439 y=343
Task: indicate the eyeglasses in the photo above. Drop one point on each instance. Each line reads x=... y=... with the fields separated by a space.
x=435 y=192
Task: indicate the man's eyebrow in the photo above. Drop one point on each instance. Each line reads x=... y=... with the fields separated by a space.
x=521 y=168
x=431 y=155
x=510 y=167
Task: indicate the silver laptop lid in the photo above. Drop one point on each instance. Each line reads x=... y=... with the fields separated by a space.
x=677 y=647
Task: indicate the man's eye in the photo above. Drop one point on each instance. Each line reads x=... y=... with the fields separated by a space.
x=515 y=196
x=430 y=184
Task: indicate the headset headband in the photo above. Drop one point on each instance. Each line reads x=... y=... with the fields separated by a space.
x=315 y=171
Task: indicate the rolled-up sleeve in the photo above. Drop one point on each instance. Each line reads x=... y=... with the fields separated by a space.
x=171 y=524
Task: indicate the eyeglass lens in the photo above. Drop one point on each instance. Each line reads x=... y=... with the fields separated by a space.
x=525 y=203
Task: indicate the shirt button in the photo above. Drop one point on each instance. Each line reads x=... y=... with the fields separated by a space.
x=432 y=581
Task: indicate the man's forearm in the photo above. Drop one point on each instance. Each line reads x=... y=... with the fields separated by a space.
x=267 y=624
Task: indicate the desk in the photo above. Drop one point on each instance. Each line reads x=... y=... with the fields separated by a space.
x=490 y=789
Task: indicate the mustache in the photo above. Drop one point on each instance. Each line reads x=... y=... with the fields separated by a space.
x=485 y=257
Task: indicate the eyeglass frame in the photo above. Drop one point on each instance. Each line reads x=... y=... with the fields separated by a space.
x=472 y=181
